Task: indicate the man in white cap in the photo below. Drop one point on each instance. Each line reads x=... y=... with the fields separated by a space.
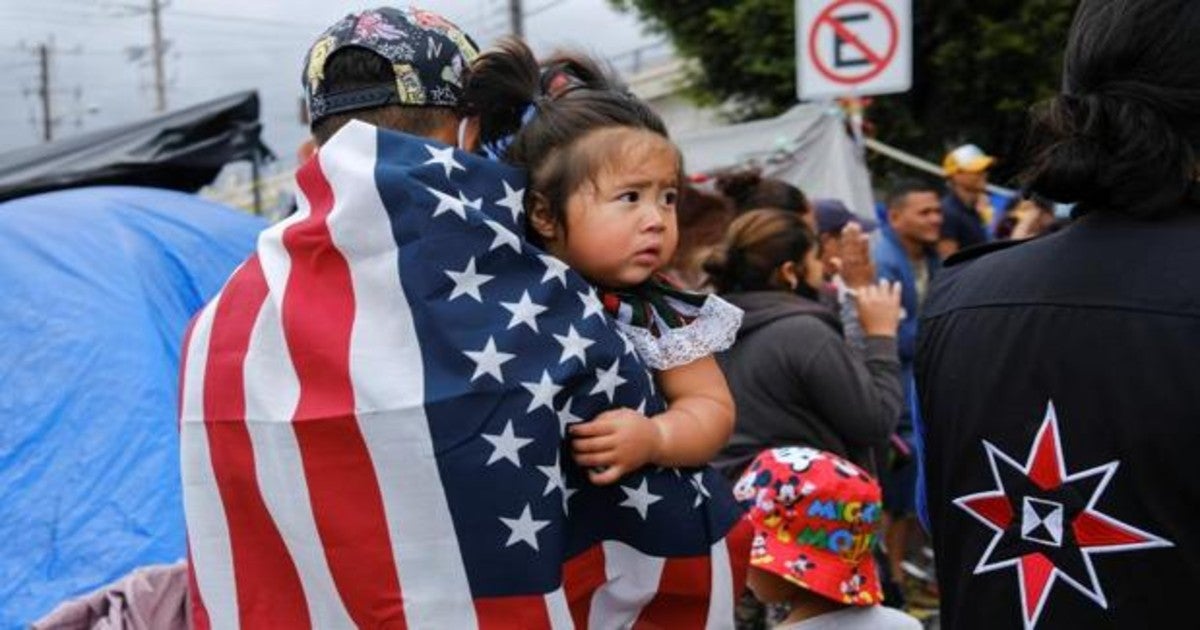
x=967 y=211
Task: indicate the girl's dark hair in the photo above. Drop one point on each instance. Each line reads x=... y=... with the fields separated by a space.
x=572 y=96
x=1123 y=136
x=749 y=190
x=755 y=245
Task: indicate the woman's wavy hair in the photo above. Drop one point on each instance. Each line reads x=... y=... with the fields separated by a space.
x=1123 y=135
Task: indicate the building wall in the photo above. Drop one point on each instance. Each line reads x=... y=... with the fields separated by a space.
x=660 y=86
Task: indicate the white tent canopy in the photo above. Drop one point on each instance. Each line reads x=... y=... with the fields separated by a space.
x=807 y=146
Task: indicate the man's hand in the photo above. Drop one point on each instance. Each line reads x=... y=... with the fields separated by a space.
x=879 y=308
x=614 y=444
x=857 y=268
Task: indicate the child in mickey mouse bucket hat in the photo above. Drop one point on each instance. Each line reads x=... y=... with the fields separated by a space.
x=815 y=518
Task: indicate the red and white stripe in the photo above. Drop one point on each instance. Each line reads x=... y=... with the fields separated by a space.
x=306 y=375
x=616 y=586
x=312 y=495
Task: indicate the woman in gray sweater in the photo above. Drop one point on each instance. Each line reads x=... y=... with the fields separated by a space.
x=795 y=379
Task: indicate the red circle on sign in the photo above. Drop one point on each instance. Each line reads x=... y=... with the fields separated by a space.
x=879 y=63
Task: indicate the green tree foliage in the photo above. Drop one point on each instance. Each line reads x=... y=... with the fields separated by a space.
x=978 y=65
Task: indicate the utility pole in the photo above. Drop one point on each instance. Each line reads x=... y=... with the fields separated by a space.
x=43 y=51
x=160 y=81
x=516 y=18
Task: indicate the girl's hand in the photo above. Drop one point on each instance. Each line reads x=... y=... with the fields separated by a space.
x=879 y=308
x=614 y=444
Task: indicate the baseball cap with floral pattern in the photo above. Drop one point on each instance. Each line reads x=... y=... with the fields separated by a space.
x=428 y=53
x=815 y=517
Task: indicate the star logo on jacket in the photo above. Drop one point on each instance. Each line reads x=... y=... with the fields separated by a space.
x=1046 y=523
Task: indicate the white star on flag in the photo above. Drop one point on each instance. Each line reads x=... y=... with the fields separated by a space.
x=488 y=361
x=639 y=499
x=573 y=345
x=543 y=392
x=642 y=407
x=524 y=528
x=608 y=381
x=591 y=305
x=554 y=481
x=506 y=445
x=701 y=491
x=445 y=157
x=514 y=200
x=503 y=237
x=554 y=478
x=566 y=418
x=555 y=268
x=447 y=203
x=468 y=281
x=524 y=312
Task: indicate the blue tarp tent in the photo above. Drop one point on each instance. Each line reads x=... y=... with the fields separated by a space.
x=97 y=286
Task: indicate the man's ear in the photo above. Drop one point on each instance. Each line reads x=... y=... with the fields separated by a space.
x=541 y=219
x=470 y=134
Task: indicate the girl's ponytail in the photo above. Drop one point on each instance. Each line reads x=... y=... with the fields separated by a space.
x=500 y=87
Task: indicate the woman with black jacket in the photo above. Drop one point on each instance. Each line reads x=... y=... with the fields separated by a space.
x=795 y=379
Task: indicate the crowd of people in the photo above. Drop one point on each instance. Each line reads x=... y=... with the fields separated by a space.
x=789 y=337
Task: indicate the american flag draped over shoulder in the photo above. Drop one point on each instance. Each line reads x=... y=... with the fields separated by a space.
x=373 y=412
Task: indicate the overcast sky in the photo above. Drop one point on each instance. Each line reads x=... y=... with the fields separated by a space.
x=222 y=46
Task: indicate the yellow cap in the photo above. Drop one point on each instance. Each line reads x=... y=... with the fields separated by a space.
x=967 y=159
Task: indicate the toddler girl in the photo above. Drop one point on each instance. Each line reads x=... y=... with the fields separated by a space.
x=604 y=183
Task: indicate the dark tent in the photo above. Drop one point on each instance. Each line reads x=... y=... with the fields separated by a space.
x=181 y=150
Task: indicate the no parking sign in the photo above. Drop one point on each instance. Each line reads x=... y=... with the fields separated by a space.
x=853 y=47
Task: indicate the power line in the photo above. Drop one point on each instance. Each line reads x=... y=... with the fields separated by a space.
x=517 y=14
x=260 y=28
x=513 y=14
x=230 y=30
x=543 y=8
x=247 y=20
x=484 y=20
x=221 y=52
x=132 y=9
x=92 y=52
x=40 y=15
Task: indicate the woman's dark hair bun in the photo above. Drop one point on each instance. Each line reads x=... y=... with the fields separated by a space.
x=739 y=185
x=1109 y=153
x=1123 y=137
